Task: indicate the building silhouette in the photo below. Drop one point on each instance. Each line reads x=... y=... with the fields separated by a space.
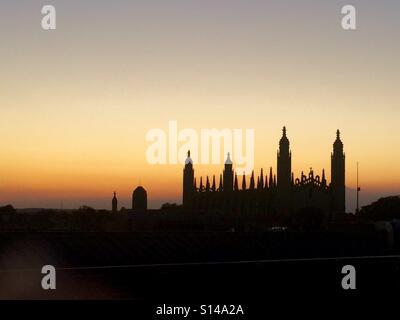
x=338 y=175
x=139 y=199
x=114 y=203
x=270 y=194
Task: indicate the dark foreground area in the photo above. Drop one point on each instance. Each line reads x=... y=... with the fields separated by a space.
x=195 y=267
x=136 y=275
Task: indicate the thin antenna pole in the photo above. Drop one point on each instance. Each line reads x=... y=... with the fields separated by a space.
x=358 y=191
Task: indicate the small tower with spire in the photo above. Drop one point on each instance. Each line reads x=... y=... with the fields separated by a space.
x=114 y=203
x=228 y=174
x=338 y=175
x=188 y=181
x=284 y=165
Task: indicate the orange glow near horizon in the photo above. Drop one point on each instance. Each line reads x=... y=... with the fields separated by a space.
x=73 y=179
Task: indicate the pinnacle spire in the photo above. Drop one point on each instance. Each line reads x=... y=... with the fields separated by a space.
x=284 y=141
x=338 y=144
x=271 y=181
x=252 y=181
x=207 y=184
x=188 y=158
x=236 y=187
x=228 y=159
x=261 y=179
x=323 y=179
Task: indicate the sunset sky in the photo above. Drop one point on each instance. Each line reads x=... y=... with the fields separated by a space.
x=76 y=102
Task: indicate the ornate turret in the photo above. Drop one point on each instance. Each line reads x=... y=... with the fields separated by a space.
x=338 y=175
x=284 y=142
x=188 y=182
x=244 y=181
x=284 y=165
x=338 y=144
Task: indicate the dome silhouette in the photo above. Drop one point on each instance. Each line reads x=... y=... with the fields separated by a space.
x=139 y=199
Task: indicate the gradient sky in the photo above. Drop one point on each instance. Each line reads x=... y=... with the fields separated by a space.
x=76 y=102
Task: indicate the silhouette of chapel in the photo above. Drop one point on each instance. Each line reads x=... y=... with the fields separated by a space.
x=272 y=193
